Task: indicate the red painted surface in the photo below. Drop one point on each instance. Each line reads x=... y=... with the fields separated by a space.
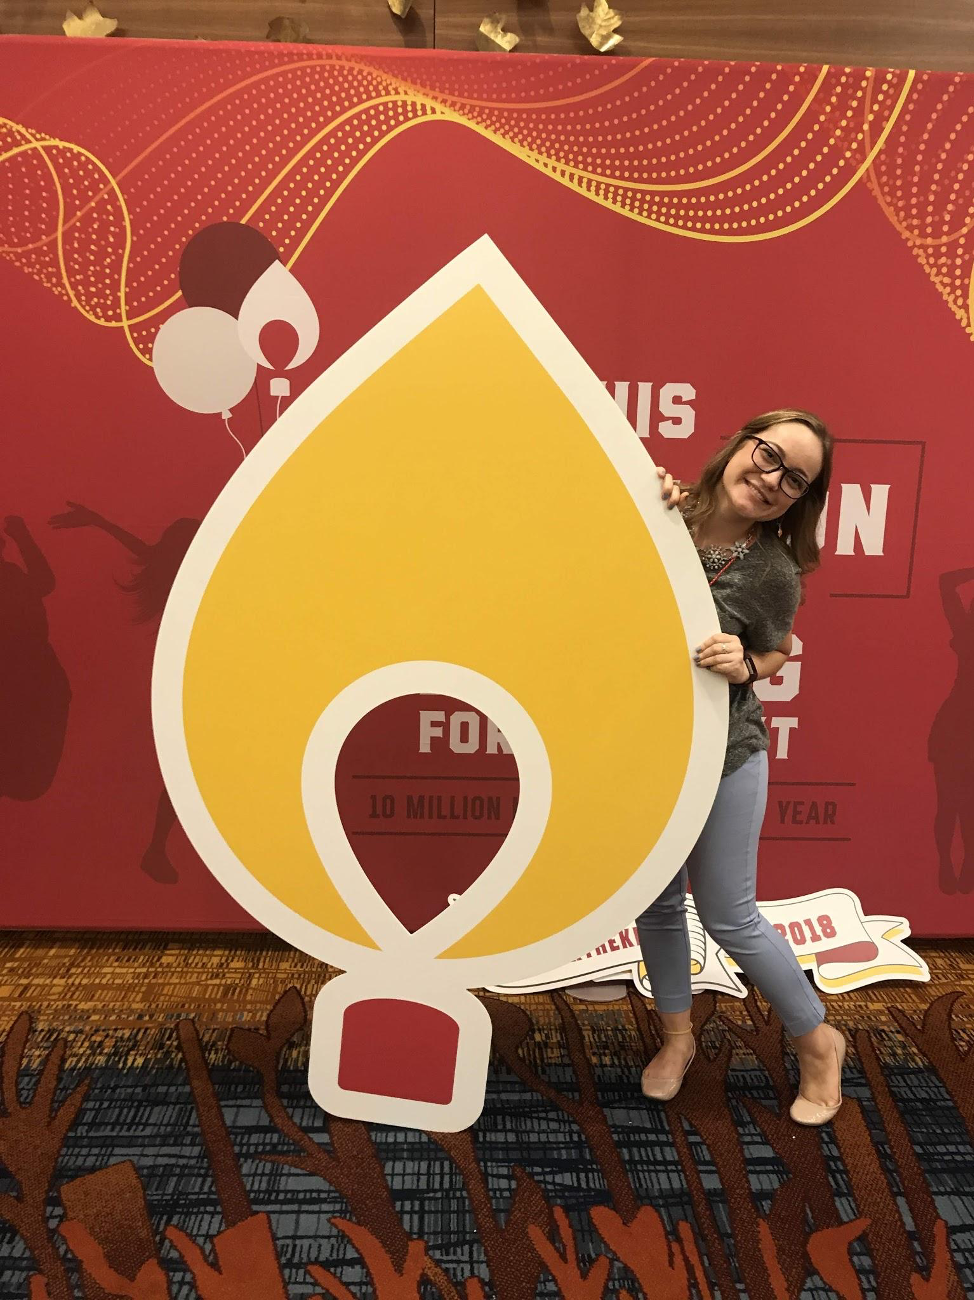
x=394 y=1048
x=840 y=316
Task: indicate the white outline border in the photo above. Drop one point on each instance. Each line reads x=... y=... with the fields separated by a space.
x=325 y=823
x=470 y=1068
x=481 y=265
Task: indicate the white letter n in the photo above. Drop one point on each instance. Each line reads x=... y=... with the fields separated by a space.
x=855 y=517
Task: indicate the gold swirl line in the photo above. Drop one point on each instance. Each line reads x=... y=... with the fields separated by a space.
x=323 y=63
x=760 y=236
x=538 y=160
x=386 y=139
x=29 y=136
x=315 y=140
x=429 y=99
x=160 y=307
x=154 y=311
x=654 y=187
x=310 y=63
x=57 y=233
x=43 y=146
x=170 y=131
x=541 y=161
x=413 y=88
x=127 y=321
x=444 y=114
x=59 y=227
x=440 y=112
x=15 y=126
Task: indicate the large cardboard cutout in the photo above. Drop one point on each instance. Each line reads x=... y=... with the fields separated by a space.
x=474 y=519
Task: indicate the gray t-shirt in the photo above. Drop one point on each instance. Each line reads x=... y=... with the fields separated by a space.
x=756 y=599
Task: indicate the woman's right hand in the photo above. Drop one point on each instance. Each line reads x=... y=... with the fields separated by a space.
x=673 y=494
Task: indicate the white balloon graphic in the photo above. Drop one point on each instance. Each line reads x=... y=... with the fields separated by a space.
x=199 y=361
x=277 y=295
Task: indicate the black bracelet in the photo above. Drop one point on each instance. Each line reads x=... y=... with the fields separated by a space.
x=751 y=670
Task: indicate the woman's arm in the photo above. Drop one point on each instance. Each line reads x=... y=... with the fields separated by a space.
x=724 y=654
x=771 y=664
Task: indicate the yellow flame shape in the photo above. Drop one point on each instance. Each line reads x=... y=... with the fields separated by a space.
x=454 y=507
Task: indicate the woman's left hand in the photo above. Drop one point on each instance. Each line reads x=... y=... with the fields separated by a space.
x=723 y=654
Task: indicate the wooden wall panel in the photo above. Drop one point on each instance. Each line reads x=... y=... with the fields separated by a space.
x=330 y=22
x=894 y=33
x=887 y=33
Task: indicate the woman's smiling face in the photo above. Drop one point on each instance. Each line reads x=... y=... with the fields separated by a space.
x=757 y=494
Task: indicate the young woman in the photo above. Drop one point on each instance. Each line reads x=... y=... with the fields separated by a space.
x=753 y=517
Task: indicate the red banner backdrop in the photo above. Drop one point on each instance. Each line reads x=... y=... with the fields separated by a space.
x=717 y=240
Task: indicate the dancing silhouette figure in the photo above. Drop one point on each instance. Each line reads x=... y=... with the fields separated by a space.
x=950 y=747
x=155 y=567
x=34 y=691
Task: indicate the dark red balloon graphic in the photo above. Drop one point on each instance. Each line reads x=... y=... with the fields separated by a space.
x=221 y=264
x=427 y=795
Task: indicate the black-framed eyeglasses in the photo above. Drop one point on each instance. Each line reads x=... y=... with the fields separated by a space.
x=768 y=461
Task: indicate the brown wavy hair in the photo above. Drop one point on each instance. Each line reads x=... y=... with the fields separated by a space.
x=799 y=522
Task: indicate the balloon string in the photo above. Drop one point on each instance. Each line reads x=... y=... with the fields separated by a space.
x=279 y=401
x=260 y=413
x=226 y=421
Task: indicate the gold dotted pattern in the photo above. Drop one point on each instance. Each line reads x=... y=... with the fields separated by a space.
x=923 y=179
x=715 y=152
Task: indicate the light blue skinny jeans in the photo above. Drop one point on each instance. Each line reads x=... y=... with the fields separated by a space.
x=722 y=871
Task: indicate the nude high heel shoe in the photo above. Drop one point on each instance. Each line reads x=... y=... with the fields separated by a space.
x=666 y=1089
x=813 y=1113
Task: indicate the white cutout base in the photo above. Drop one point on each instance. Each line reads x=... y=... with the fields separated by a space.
x=472 y=1057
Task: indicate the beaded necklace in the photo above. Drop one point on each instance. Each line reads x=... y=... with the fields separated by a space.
x=720 y=558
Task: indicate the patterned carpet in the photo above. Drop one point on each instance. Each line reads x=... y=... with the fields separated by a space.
x=185 y=1159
